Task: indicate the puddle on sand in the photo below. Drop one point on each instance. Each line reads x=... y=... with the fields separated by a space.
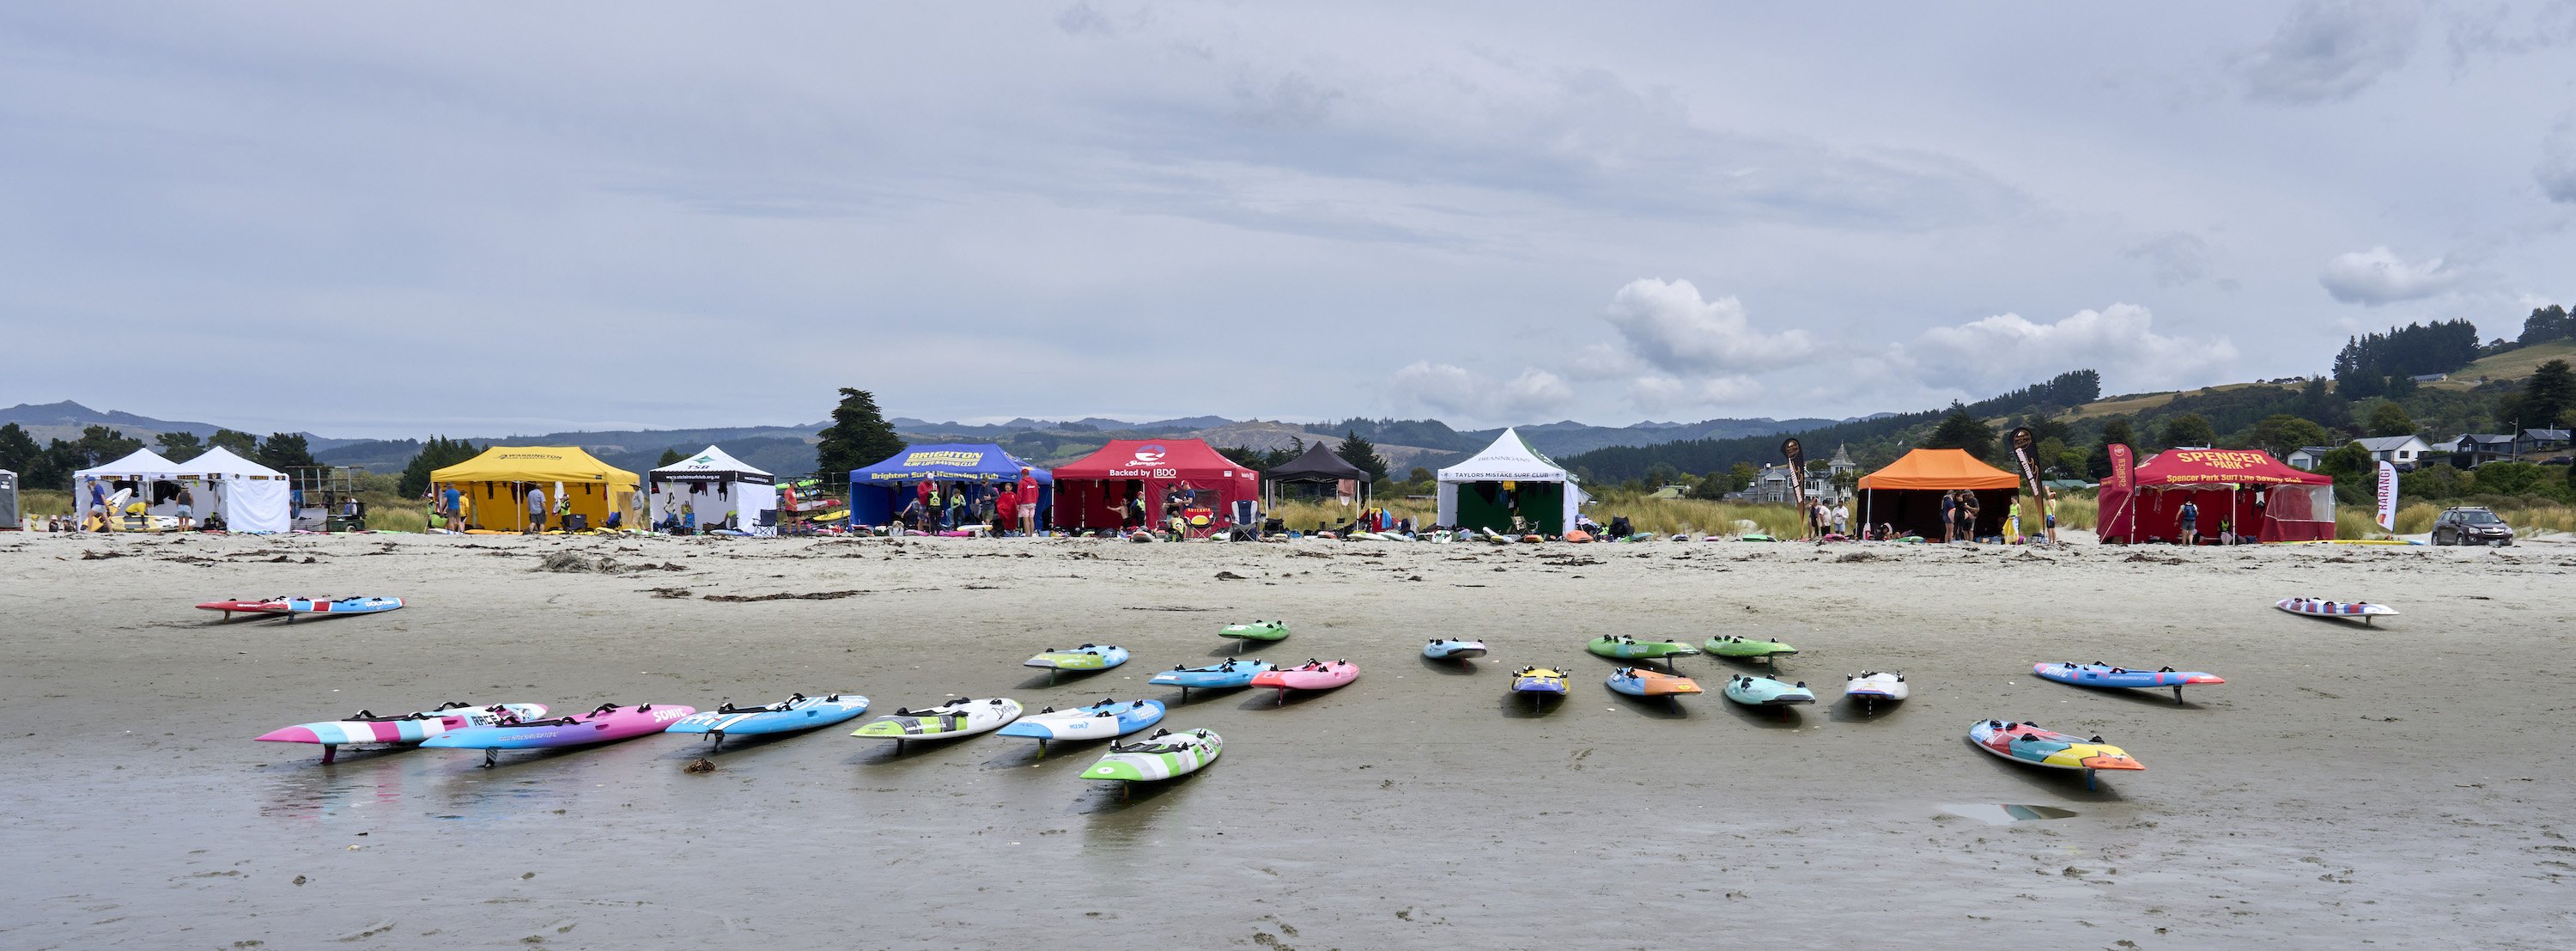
x=2005 y=813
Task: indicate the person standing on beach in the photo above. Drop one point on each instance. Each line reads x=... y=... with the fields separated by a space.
x=187 y=508
x=450 y=502
x=1842 y=519
x=1028 y=501
x=2190 y=522
x=1968 y=510
x=1949 y=517
x=536 y=510
x=1006 y=507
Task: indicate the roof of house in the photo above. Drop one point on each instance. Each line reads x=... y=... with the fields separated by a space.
x=2484 y=438
x=2545 y=433
x=2314 y=450
x=2386 y=443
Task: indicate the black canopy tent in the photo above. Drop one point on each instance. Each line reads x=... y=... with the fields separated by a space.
x=1319 y=466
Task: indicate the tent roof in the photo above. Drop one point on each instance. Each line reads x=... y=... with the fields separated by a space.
x=1509 y=459
x=222 y=461
x=534 y=464
x=1939 y=469
x=1155 y=459
x=1316 y=464
x=2176 y=467
x=713 y=463
x=141 y=462
x=949 y=462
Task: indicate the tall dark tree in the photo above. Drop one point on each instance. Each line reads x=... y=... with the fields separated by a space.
x=1962 y=431
x=2547 y=396
x=2546 y=323
x=859 y=435
x=281 y=450
x=1358 y=451
x=2189 y=429
x=20 y=454
x=438 y=453
x=241 y=443
x=2114 y=430
x=669 y=456
x=179 y=447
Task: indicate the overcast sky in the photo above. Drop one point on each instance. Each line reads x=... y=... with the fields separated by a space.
x=390 y=220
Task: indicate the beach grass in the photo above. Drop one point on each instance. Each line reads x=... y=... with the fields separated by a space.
x=42 y=502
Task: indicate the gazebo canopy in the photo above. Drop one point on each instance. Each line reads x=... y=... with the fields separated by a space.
x=1318 y=464
x=1939 y=469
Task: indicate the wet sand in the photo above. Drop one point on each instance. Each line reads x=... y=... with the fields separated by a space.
x=2392 y=785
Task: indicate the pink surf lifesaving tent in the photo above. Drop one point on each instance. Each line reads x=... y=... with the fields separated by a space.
x=1088 y=490
x=2256 y=496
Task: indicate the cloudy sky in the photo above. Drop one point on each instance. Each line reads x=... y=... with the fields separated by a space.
x=365 y=219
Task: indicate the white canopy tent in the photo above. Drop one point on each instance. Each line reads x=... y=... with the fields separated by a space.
x=138 y=470
x=714 y=485
x=252 y=497
x=9 y=511
x=1509 y=478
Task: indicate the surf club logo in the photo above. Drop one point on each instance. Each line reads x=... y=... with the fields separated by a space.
x=1150 y=454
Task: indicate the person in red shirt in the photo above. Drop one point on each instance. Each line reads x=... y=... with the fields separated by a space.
x=1006 y=506
x=1028 y=496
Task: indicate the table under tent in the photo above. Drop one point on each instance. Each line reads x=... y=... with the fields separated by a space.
x=1316 y=475
x=1509 y=487
x=1907 y=494
x=2234 y=487
x=877 y=492
x=712 y=492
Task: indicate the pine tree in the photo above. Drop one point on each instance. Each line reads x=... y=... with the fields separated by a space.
x=20 y=454
x=2548 y=395
x=858 y=437
x=2115 y=431
x=669 y=456
x=1962 y=431
x=438 y=453
x=1358 y=451
x=241 y=443
x=281 y=450
x=180 y=446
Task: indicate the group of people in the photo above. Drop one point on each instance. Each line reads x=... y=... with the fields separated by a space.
x=1824 y=520
x=1010 y=507
x=121 y=510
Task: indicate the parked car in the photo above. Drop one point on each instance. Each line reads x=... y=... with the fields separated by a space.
x=2470 y=525
x=2558 y=460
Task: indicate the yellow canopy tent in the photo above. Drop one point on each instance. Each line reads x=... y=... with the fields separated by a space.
x=496 y=483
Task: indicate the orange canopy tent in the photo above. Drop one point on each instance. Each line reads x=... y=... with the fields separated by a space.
x=1907 y=494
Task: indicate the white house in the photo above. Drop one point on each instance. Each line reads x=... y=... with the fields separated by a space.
x=2406 y=451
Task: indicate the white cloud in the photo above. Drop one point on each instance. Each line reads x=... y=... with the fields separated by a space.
x=2328 y=50
x=1458 y=392
x=1668 y=326
x=2378 y=276
x=2007 y=350
x=2556 y=172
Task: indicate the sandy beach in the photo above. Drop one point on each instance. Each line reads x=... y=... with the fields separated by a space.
x=2348 y=785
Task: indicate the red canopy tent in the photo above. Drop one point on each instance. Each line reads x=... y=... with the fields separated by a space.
x=1088 y=490
x=2245 y=488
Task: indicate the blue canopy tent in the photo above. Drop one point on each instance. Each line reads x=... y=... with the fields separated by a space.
x=875 y=492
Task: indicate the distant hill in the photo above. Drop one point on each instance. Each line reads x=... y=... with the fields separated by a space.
x=66 y=419
x=2515 y=364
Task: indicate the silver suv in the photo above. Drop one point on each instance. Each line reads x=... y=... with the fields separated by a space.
x=2471 y=526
